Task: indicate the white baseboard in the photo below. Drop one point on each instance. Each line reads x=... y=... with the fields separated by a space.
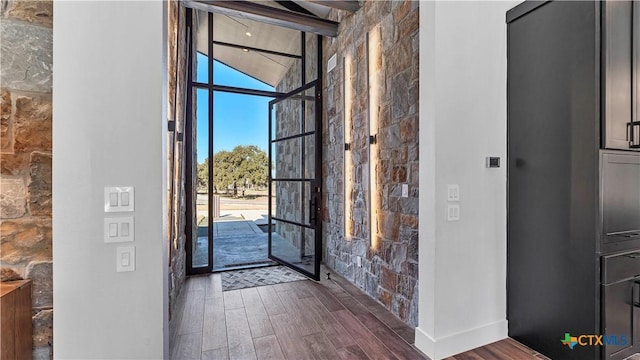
x=454 y=344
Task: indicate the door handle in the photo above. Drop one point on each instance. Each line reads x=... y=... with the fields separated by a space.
x=313 y=211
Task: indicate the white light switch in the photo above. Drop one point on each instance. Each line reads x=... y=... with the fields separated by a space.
x=125 y=258
x=119 y=229
x=124 y=199
x=113 y=199
x=113 y=230
x=405 y=190
x=118 y=199
x=453 y=192
x=453 y=212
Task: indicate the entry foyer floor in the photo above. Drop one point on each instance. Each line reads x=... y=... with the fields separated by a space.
x=330 y=319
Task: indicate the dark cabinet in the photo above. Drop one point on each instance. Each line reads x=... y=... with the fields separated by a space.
x=621 y=62
x=621 y=305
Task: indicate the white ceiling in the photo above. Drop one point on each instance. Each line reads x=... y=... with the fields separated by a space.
x=267 y=68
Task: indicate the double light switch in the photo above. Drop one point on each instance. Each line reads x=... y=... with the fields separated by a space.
x=118 y=199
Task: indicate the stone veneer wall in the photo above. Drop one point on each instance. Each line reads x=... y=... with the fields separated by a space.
x=176 y=111
x=390 y=271
x=26 y=47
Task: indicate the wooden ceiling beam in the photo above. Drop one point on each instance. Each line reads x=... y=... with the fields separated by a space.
x=348 y=5
x=269 y=15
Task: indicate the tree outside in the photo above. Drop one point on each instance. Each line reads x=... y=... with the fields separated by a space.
x=244 y=166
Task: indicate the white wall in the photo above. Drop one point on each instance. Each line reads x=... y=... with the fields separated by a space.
x=109 y=130
x=462 y=121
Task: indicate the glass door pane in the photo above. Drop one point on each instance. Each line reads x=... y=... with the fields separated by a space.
x=200 y=243
x=294 y=228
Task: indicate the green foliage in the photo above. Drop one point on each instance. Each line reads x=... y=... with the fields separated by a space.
x=244 y=164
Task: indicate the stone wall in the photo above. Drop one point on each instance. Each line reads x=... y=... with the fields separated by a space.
x=389 y=271
x=177 y=64
x=26 y=46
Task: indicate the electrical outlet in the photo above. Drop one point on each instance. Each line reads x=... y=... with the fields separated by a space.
x=453 y=212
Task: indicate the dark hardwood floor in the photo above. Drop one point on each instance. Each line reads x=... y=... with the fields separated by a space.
x=330 y=319
x=504 y=349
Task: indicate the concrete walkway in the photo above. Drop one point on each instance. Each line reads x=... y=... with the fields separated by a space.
x=239 y=243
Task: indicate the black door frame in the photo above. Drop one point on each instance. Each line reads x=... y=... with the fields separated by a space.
x=192 y=86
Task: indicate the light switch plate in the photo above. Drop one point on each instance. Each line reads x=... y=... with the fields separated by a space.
x=118 y=199
x=125 y=258
x=453 y=212
x=405 y=190
x=119 y=229
x=453 y=192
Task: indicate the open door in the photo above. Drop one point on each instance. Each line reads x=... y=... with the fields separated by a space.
x=294 y=188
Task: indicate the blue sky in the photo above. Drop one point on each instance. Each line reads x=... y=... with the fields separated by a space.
x=238 y=119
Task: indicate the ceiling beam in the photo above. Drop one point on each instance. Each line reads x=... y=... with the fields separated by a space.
x=290 y=5
x=349 y=5
x=268 y=15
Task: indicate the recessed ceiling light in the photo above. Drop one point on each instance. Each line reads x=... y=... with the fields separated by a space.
x=245 y=50
x=247 y=33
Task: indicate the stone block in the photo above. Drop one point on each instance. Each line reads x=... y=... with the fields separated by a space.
x=38 y=12
x=13 y=197
x=400 y=95
x=6 y=131
x=27 y=56
x=25 y=240
x=389 y=279
x=14 y=164
x=43 y=329
x=398 y=256
x=384 y=297
x=40 y=187
x=41 y=273
x=408 y=129
x=399 y=174
x=410 y=24
x=32 y=123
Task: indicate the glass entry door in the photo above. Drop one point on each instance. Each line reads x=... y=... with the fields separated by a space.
x=294 y=190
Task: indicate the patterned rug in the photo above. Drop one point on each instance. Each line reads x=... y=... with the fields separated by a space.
x=240 y=279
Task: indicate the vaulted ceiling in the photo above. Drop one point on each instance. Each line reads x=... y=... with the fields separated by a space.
x=262 y=38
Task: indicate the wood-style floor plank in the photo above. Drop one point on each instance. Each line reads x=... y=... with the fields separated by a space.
x=193 y=313
x=213 y=287
x=352 y=352
x=268 y=348
x=303 y=320
x=301 y=288
x=320 y=347
x=256 y=313
x=326 y=297
x=195 y=283
x=365 y=339
x=214 y=331
x=187 y=347
x=336 y=333
x=216 y=354
x=233 y=300
x=353 y=305
x=289 y=337
x=270 y=300
x=239 y=335
x=398 y=346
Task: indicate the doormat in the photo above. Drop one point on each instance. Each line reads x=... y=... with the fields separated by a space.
x=240 y=279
